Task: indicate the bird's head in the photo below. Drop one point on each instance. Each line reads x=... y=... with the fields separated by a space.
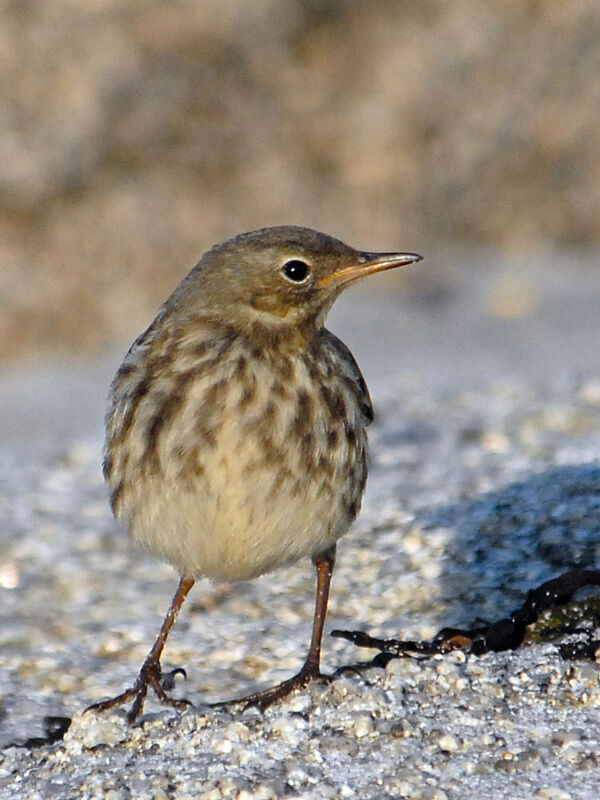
x=282 y=276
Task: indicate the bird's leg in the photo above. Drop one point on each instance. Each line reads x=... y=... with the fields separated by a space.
x=150 y=674
x=324 y=563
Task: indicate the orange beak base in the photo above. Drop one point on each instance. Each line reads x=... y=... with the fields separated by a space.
x=367 y=264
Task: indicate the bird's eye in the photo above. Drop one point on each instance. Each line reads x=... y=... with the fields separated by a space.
x=295 y=270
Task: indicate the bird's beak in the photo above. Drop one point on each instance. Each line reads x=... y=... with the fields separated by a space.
x=366 y=264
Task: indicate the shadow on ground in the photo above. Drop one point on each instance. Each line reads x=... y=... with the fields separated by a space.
x=508 y=541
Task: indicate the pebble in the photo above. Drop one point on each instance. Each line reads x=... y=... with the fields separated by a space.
x=448 y=743
x=93 y=730
x=363 y=726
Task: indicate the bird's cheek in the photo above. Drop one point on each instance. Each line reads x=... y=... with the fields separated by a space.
x=281 y=307
x=269 y=303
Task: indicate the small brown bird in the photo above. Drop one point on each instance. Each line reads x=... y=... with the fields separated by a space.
x=236 y=434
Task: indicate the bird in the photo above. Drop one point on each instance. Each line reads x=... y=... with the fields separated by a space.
x=236 y=428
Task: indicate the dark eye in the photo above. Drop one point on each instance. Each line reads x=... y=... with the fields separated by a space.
x=295 y=270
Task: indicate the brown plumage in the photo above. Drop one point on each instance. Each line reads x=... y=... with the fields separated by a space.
x=236 y=433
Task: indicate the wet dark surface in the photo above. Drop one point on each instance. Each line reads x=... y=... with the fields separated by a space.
x=509 y=632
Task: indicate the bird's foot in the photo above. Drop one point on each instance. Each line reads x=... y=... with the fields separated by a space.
x=150 y=676
x=262 y=700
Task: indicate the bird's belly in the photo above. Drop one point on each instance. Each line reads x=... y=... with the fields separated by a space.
x=256 y=497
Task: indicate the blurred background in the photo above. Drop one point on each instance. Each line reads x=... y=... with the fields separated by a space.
x=134 y=135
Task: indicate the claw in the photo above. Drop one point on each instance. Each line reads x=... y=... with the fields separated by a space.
x=167 y=680
x=150 y=676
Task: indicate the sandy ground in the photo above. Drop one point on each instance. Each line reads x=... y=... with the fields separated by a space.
x=485 y=482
